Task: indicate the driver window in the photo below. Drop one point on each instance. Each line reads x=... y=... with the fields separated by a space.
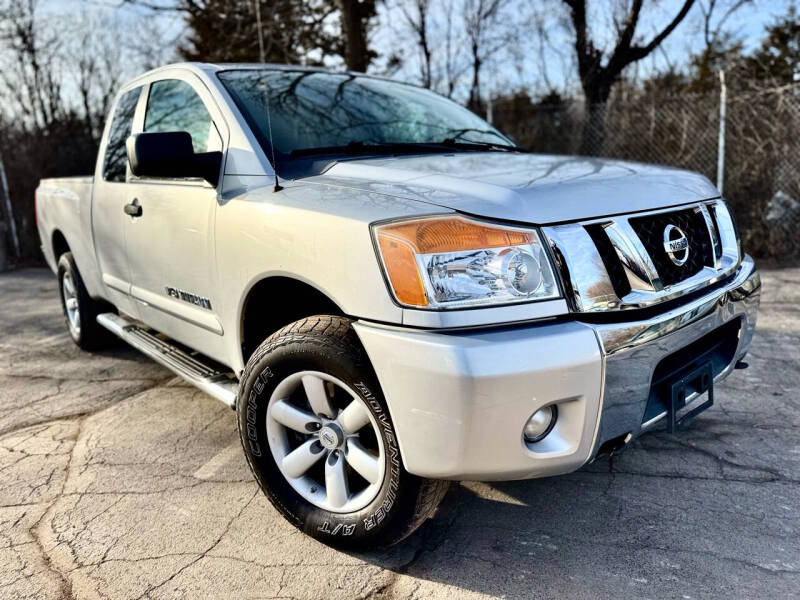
x=174 y=106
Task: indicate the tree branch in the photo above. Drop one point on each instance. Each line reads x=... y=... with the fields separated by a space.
x=626 y=36
x=642 y=51
x=183 y=6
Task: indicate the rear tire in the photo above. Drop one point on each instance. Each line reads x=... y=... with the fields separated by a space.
x=80 y=310
x=279 y=414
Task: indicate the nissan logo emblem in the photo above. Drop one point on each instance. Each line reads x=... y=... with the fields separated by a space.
x=676 y=245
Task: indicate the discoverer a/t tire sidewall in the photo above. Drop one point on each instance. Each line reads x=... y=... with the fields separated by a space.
x=329 y=345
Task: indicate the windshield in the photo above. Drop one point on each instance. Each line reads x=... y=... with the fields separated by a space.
x=326 y=112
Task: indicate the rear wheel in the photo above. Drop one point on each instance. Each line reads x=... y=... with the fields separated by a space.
x=80 y=310
x=320 y=441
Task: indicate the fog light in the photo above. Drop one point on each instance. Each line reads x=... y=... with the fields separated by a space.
x=540 y=424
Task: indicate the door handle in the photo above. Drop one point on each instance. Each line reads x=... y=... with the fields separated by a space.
x=134 y=209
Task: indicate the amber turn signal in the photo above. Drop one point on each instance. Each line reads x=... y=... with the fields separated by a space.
x=401 y=268
x=452 y=234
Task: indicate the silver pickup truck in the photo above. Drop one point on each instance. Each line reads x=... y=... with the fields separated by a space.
x=388 y=291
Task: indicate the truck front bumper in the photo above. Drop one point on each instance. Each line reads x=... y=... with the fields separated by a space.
x=460 y=399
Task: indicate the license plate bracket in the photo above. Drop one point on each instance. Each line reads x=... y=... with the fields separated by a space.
x=699 y=380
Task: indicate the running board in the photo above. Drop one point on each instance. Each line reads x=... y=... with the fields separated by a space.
x=218 y=384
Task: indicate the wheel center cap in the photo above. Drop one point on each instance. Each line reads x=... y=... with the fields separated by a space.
x=331 y=437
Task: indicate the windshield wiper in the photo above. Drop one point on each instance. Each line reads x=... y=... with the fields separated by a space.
x=358 y=147
x=474 y=145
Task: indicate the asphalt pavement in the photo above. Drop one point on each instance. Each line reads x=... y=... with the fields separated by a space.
x=117 y=480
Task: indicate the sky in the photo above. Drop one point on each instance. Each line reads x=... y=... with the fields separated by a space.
x=532 y=63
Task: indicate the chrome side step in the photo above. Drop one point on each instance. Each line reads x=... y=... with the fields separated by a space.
x=218 y=384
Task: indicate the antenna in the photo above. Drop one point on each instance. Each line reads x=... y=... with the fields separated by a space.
x=278 y=186
x=260 y=31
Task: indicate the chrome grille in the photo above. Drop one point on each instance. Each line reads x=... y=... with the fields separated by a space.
x=650 y=230
x=621 y=262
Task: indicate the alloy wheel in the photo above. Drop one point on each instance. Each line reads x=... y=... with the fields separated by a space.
x=325 y=441
x=70 y=292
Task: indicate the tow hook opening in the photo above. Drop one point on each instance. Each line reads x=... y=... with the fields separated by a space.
x=613 y=446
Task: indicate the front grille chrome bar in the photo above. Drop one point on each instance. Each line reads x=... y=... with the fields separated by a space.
x=713 y=234
x=591 y=289
x=639 y=268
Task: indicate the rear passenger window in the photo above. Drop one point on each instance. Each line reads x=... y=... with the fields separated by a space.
x=116 y=159
x=174 y=106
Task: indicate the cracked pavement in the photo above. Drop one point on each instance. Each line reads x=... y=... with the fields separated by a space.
x=117 y=480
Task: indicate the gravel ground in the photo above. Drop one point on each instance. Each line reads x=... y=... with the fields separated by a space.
x=117 y=480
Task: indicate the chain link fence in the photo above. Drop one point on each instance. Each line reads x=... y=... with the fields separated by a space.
x=761 y=148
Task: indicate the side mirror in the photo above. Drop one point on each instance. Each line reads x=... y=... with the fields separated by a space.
x=170 y=154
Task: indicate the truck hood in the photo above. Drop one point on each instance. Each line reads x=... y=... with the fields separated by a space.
x=530 y=188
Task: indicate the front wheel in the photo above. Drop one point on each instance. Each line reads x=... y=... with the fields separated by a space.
x=320 y=441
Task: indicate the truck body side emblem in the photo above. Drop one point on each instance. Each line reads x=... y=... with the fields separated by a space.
x=188 y=297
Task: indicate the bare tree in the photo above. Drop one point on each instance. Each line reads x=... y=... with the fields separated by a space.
x=417 y=16
x=95 y=61
x=452 y=72
x=152 y=46
x=598 y=70
x=288 y=31
x=480 y=19
x=57 y=78
x=355 y=17
x=721 y=48
x=539 y=56
x=28 y=78
x=715 y=17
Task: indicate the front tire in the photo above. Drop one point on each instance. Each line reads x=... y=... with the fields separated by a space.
x=80 y=310
x=319 y=439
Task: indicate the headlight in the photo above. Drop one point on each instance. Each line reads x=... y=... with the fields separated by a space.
x=455 y=262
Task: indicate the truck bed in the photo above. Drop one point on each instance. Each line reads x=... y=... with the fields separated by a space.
x=63 y=208
x=66 y=181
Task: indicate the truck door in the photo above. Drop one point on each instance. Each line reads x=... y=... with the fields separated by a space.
x=170 y=242
x=109 y=196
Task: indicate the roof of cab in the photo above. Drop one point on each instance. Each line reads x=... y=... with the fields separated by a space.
x=217 y=67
